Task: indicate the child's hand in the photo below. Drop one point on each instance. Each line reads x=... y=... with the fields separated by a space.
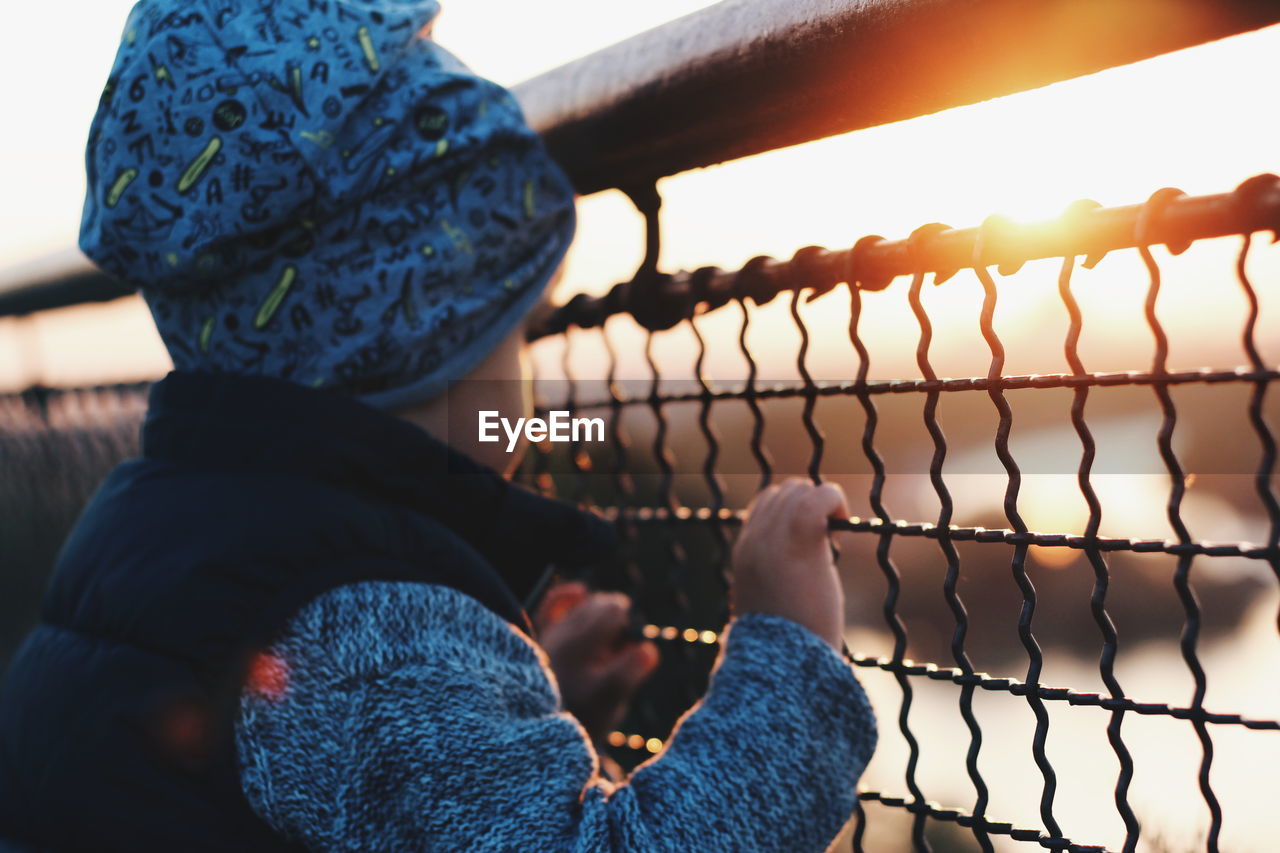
x=596 y=664
x=782 y=561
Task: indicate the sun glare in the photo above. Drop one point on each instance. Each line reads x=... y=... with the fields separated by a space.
x=1197 y=119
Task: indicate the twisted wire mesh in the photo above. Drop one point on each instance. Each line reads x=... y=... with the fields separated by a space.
x=675 y=302
x=1101 y=572
x=1182 y=574
x=946 y=509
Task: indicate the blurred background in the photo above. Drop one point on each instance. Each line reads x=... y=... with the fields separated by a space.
x=1201 y=119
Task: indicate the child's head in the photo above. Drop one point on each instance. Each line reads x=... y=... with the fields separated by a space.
x=318 y=192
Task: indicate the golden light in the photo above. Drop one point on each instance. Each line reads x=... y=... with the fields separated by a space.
x=1053 y=558
x=1197 y=119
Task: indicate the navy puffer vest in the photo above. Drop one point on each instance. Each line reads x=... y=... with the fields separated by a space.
x=252 y=496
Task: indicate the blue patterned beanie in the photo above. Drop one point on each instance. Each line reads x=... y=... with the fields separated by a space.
x=314 y=190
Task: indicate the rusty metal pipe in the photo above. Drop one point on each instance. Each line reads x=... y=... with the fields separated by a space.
x=746 y=76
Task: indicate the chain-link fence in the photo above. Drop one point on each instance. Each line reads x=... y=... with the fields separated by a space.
x=678 y=549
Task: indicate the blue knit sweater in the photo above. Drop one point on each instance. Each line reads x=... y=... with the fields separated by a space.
x=407 y=716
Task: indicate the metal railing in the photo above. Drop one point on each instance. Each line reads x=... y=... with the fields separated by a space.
x=659 y=302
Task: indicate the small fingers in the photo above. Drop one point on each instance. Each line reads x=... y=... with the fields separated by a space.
x=763 y=499
x=600 y=619
x=809 y=508
x=634 y=664
x=558 y=602
x=626 y=671
x=772 y=503
x=829 y=500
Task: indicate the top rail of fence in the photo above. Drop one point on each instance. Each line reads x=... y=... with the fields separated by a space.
x=746 y=76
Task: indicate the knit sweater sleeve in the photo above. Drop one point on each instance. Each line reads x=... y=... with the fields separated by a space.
x=396 y=716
